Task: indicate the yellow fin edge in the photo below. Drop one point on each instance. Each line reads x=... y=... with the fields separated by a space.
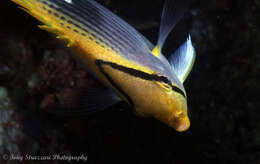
x=156 y=51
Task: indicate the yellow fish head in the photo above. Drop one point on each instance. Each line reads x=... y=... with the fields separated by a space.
x=173 y=107
x=164 y=102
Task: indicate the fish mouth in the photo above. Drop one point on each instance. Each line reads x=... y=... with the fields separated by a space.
x=183 y=124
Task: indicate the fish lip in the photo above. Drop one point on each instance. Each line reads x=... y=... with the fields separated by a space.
x=183 y=125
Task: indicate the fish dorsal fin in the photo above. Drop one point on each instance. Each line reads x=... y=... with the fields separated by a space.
x=182 y=59
x=172 y=12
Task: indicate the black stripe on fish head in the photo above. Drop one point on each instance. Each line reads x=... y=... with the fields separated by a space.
x=99 y=63
x=139 y=74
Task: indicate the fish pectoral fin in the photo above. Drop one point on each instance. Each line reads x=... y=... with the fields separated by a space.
x=182 y=60
x=140 y=114
x=86 y=102
x=173 y=10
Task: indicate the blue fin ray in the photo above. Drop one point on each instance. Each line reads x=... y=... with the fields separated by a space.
x=173 y=10
x=182 y=60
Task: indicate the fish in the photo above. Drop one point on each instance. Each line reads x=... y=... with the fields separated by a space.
x=131 y=67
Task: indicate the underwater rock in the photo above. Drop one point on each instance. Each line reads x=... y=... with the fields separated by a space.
x=12 y=136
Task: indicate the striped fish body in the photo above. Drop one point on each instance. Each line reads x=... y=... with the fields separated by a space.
x=116 y=54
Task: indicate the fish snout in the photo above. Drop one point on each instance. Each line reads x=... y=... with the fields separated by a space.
x=181 y=124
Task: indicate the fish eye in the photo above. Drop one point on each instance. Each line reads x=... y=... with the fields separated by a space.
x=166 y=86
